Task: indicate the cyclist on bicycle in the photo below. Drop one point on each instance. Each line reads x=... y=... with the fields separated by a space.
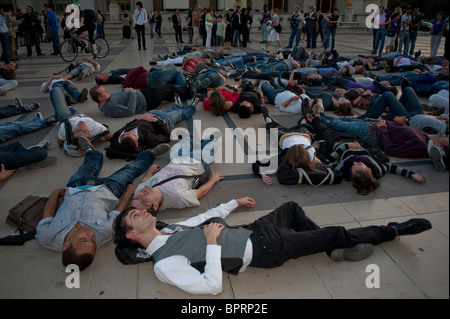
x=88 y=20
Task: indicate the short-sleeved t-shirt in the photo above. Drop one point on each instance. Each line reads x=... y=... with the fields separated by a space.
x=94 y=127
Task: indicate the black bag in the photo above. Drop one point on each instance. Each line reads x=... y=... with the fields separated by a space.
x=278 y=28
x=198 y=182
x=90 y=18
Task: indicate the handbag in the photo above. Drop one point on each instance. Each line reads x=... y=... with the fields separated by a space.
x=27 y=214
x=278 y=28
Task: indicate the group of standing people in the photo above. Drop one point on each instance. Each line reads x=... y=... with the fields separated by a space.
x=399 y=30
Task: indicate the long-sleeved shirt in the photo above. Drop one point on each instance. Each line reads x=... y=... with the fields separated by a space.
x=123 y=104
x=140 y=17
x=176 y=270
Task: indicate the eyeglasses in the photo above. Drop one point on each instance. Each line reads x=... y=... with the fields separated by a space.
x=143 y=202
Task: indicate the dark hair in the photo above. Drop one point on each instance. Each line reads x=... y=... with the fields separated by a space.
x=128 y=145
x=244 y=111
x=393 y=89
x=121 y=228
x=69 y=256
x=93 y=92
x=364 y=182
x=344 y=109
x=139 y=3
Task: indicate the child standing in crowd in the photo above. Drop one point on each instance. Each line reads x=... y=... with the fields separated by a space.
x=220 y=33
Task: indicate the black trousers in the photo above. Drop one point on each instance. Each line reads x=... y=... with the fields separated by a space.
x=287 y=233
x=140 y=30
x=155 y=96
x=178 y=33
x=330 y=136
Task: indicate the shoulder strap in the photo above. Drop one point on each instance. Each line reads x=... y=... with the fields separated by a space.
x=304 y=174
x=176 y=177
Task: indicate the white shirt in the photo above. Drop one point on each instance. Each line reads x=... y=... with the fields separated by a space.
x=177 y=271
x=290 y=141
x=94 y=127
x=293 y=107
x=140 y=17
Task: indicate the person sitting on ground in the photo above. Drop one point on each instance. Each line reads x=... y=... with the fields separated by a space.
x=192 y=254
x=130 y=101
x=14 y=156
x=85 y=67
x=189 y=157
x=72 y=228
x=363 y=167
x=148 y=131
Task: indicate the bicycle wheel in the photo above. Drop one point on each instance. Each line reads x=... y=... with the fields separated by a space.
x=68 y=51
x=102 y=48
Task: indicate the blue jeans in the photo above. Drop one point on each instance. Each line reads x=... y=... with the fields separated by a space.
x=4 y=40
x=262 y=75
x=161 y=77
x=237 y=61
x=295 y=33
x=270 y=92
x=265 y=31
x=203 y=151
x=408 y=105
x=62 y=110
x=175 y=114
x=9 y=130
x=426 y=89
x=87 y=174
x=151 y=30
x=311 y=40
x=379 y=40
x=403 y=39
x=55 y=41
x=11 y=110
x=396 y=77
x=14 y=155
x=330 y=32
x=208 y=79
x=412 y=42
x=352 y=126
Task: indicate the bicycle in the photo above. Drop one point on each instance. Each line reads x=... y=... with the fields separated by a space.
x=70 y=47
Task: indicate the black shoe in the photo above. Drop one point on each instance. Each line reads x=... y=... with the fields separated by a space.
x=404 y=83
x=238 y=73
x=411 y=227
x=83 y=96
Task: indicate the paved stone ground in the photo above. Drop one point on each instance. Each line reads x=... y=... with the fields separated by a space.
x=410 y=267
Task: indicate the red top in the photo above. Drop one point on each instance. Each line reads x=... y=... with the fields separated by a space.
x=233 y=97
x=137 y=78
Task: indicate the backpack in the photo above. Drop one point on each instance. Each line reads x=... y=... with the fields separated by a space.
x=90 y=17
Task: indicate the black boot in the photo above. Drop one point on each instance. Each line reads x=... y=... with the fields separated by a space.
x=411 y=227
